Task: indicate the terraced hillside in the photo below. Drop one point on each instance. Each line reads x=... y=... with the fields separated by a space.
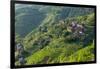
x=46 y=35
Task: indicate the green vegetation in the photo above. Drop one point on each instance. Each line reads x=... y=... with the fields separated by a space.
x=85 y=54
x=51 y=39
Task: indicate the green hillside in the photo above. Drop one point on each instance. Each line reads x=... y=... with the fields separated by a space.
x=51 y=39
x=29 y=17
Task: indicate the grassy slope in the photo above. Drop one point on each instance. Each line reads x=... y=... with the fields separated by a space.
x=82 y=55
x=53 y=51
x=64 y=52
x=59 y=51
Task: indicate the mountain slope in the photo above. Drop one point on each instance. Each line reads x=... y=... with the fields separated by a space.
x=65 y=48
x=47 y=37
x=29 y=17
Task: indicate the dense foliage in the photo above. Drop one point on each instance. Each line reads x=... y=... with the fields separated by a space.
x=47 y=38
